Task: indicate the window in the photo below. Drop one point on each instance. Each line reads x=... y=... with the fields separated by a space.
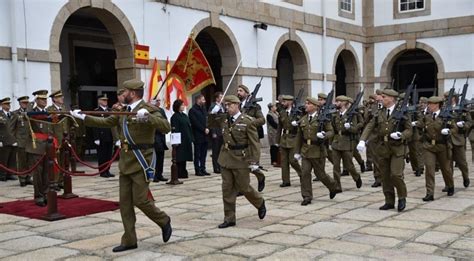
x=411 y=5
x=346 y=5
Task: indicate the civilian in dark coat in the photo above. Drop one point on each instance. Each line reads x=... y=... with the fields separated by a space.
x=198 y=117
x=160 y=146
x=215 y=128
x=103 y=139
x=180 y=124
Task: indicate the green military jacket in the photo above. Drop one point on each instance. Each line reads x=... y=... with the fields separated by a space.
x=256 y=113
x=346 y=139
x=286 y=133
x=6 y=132
x=241 y=145
x=432 y=138
x=40 y=127
x=471 y=131
x=20 y=128
x=459 y=138
x=142 y=133
x=381 y=127
x=62 y=127
x=307 y=143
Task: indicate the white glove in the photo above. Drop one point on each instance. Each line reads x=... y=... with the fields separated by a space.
x=142 y=113
x=1 y=144
x=294 y=123
x=118 y=143
x=321 y=135
x=253 y=167
x=361 y=146
x=460 y=124
x=277 y=145
x=216 y=109
x=297 y=156
x=15 y=144
x=347 y=125
x=97 y=142
x=396 y=135
x=77 y=114
x=445 y=131
x=413 y=123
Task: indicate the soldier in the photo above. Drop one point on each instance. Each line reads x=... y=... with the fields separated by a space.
x=21 y=132
x=160 y=146
x=415 y=147
x=8 y=142
x=285 y=138
x=346 y=132
x=471 y=133
x=391 y=148
x=36 y=148
x=241 y=151
x=463 y=122
x=104 y=139
x=137 y=134
x=372 y=154
x=59 y=128
x=437 y=146
x=243 y=93
x=310 y=148
x=216 y=130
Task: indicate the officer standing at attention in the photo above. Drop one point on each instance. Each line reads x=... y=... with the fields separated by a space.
x=103 y=138
x=21 y=132
x=8 y=142
x=240 y=151
x=390 y=146
x=310 y=148
x=285 y=138
x=137 y=134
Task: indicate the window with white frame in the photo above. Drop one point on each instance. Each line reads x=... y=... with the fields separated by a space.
x=411 y=5
x=346 y=5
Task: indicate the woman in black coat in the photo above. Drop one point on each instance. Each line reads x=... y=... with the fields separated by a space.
x=180 y=124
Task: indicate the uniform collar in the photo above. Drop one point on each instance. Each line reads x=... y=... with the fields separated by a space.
x=135 y=104
x=236 y=116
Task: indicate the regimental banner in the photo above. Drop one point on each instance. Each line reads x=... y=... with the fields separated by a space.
x=142 y=54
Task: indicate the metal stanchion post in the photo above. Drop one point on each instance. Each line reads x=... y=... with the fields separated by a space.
x=174 y=168
x=67 y=194
x=53 y=213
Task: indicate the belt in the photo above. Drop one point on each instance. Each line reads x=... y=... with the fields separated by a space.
x=292 y=132
x=314 y=142
x=434 y=142
x=140 y=146
x=236 y=147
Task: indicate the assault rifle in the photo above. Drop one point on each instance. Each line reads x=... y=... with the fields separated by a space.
x=326 y=110
x=446 y=111
x=253 y=101
x=402 y=107
x=462 y=104
x=298 y=107
x=353 y=110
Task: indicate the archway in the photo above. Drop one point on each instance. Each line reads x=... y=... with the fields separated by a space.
x=347 y=74
x=418 y=61
x=292 y=69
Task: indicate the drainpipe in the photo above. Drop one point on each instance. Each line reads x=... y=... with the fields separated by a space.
x=14 y=51
x=323 y=45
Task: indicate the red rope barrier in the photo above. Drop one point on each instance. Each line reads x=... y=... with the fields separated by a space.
x=106 y=165
x=25 y=172
x=74 y=154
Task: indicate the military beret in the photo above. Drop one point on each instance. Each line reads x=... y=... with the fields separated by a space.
x=322 y=95
x=373 y=96
x=435 y=99
x=423 y=99
x=287 y=97
x=120 y=91
x=312 y=100
x=41 y=94
x=342 y=98
x=56 y=94
x=350 y=100
x=5 y=100
x=245 y=88
x=133 y=84
x=390 y=92
x=23 y=99
x=231 y=99
x=102 y=96
x=378 y=92
x=401 y=95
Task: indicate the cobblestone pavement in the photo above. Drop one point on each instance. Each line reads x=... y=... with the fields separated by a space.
x=349 y=227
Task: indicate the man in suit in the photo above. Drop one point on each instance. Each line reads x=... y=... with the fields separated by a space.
x=137 y=135
x=8 y=143
x=21 y=132
x=160 y=146
x=391 y=148
x=198 y=118
x=103 y=138
x=240 y=152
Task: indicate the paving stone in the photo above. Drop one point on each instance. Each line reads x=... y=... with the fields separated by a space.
x=12 y=227
x=284 y=239
x=213 y=257
x=327 y=229
x=4 y=253
x=451 y=203
x=465 y=219
x=15 y=234
x=84 y=258
x=420 y=248
x=295 y=254
x=253 y=249
x=366 y=214
x=332 y=245
x=68 y=224
x=337 y=257
x=5 y=218
x=186 y=248
x=388 y=232
x=280 y=228
x=372 y=240
x=29 y=243
x=216 y=242
x=464 y=244
x=452 y=229
x=426 y=215
x=50 y=253
x=78 y=233
x=438 y=238
x=392 y=254
x=417 y=225
x=236 y=232
x=296 y=222
x=103 y=241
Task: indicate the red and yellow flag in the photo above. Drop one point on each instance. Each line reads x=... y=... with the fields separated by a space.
x=142 y=53
x=192 y=69
x=154 y=80
x=169 y=86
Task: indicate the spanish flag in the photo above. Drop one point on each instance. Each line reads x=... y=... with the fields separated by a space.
x=142 y=53
x=154 y=80
x=169 y=86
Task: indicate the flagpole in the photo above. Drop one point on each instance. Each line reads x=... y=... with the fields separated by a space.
x=232 y=78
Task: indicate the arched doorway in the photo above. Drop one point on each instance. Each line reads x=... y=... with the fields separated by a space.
x=418 y=61
x=292 y=69
x=221 y=54
x=347 y=74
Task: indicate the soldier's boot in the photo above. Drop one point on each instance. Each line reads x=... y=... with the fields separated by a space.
x=345 y=173
x=368 y=166
x=362 y=167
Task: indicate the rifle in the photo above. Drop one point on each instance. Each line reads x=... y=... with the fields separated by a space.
x=462 y=104
x=402 y=107
x=446 y=111
x=252 y=102
x=297 y=106
x=353 y=110
x=326 y=110
x=412 y=109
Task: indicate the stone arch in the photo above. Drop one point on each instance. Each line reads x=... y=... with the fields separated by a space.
x=116 y=22
x=352 y=67
x=346 y=46
x=301 y=61
x=387 y=65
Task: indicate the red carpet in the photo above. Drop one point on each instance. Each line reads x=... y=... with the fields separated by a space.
x=74 y=207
